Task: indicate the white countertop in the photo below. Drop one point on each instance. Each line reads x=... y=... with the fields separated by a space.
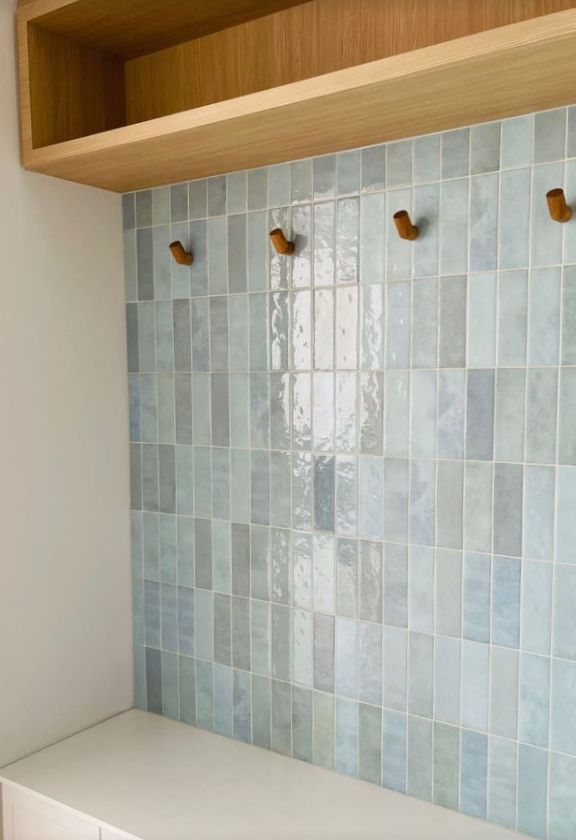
x=163 y=780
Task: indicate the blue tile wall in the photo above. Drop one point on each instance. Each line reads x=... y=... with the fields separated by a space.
x=354 y=469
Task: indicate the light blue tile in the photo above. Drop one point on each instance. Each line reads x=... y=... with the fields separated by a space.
x=324 y=730
x=257 y=188
x=449 y=500
x=562 y=814
x=502 y=764
x=533 y=713
x=197 y=197
x=302 y=237
x=425 y=323
x=347 y=328
x=539 y=512
x=370 y=582
x=426 y=215
x=550 y=135
x=242 y=706
x=302 y=477
x=186 y=622
x=478 y=506
x=260 y=638
x=223 y=700
x=566 y=432
x=398 y=325
x=346 y=412
x=480 y=415
x=564 y=624
x=482 y=320
x=473 y=774
x=324 y=245
x=396 y=488
x=346 y=754
x=371 y=498
x=423 y=431
x=396 y=585
x=512 y=317
x=544 y=317
x=447 y=680
x=419 y=758
x=346 y=670
x=475 y=672
x=421 y=675
x=347 y=245
x=236 y=192
x=394 y=751
x=427 y=158
x=421 y=589
x=514 y=231
x=422 y=502
x=394 y=668
x=509 y=419
x=205 y=695
x=371 y=409
x=484 y=222
x=374 y=168
x=446 y=765
x=536 y=607
x=370 y=743
x=541 y=411
x=324 y=315
x=566 y=515
x=324 y=653
x=532 y=791
x=399 y=259
x=302 y=647
x=372 y=327
x=399 y=163
x=152 y=629
x=485 y=148
x=568 y=356
x=348 y=172
x=370 y=663
x=397 y=426
x=563 y=720
x=451 y=411
x=301 y=173
x=546 y=234
x=456 y=153
x=449 y=592
x=508 y=489
x=517 y=137
x=323 y=577
x=347 y=495
x=258 y=250
x=476 y=597
x=204 y=615
x=169 y=612
x=504 y=693
x=506 y=602
x=454 y=227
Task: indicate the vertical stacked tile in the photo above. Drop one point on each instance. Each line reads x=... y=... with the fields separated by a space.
x=353 y=470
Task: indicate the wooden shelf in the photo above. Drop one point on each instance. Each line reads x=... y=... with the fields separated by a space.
x=81 y=83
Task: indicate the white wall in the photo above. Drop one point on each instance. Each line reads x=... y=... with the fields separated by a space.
x=65 y=603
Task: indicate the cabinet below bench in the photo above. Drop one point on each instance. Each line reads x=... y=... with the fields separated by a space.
x=29 y=816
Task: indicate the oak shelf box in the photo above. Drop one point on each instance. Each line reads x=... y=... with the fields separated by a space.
x=129 y=94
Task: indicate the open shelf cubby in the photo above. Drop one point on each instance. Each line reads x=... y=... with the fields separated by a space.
x=129 y=94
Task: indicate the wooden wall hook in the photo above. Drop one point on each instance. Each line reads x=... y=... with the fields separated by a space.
x=282 y=245
x=404 y=226
x=559 y=210
x=180 y=254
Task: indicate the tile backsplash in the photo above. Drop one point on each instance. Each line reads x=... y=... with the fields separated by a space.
x=354 y=469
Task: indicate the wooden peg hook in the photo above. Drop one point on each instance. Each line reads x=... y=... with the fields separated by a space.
x=282 y=245
x=404 y=226
x=559 y=210
x=180 y=254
